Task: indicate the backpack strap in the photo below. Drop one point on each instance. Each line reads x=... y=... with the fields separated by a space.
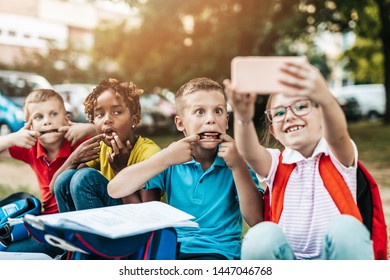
x=341 y=196
x=337 y=188
x=282 y=176
x=373 y=209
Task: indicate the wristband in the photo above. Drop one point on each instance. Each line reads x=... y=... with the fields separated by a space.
x=243 y=122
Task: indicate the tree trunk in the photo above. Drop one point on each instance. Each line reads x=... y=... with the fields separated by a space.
x=384 y=11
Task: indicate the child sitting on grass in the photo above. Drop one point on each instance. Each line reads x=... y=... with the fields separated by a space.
x=45 y=142
x=81 y=183
x=202 y=174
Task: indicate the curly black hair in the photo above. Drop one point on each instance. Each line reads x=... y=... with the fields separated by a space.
x=126 y=90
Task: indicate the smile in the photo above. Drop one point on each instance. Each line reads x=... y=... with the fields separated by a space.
x=293 y=128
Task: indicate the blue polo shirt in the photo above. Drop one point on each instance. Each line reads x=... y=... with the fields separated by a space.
x=209 y=196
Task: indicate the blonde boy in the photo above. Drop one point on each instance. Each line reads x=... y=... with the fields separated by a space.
x=201 y=174
x=45 y=142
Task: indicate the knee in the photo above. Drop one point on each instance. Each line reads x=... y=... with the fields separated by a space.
x=348 y=232
x=85 y=178
x=347 y=239
x=63 y=181
x=85 y=173
x=343 y=226
x=262 y=240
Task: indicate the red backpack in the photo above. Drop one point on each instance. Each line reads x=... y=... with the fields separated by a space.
x=368 y=209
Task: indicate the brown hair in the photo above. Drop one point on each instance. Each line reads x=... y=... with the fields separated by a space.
x=126 y=90
x=42 y=95
x=266 y=140
x=194 y=85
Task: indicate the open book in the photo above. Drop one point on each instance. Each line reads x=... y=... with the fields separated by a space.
x=117 y=221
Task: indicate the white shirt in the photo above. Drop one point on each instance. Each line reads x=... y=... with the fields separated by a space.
x=308 y=207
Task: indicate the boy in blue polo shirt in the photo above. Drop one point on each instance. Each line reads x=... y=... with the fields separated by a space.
x=202 y=174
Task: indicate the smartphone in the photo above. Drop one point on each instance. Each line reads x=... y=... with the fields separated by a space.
x=261 y=74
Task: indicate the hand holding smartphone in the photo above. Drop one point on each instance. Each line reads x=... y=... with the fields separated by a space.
x=261 y=74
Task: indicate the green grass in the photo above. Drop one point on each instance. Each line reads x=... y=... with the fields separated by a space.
x=372 y=141
x=6 y=190
x=164 y=140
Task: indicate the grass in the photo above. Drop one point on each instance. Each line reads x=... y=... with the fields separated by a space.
x=372 y=141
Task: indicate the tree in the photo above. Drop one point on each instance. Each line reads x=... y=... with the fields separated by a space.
x=370 y=20
x=166 y=52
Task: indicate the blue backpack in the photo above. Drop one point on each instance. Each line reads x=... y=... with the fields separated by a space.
x=160 y=244
x=13 y=206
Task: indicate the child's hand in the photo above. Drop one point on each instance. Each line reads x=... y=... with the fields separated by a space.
x=75 y=132
x=181 y=151
x=308 y=82
x=120 y=156
x=86 y=151
x=228 y=151
x=25 y=137
x=243 y=104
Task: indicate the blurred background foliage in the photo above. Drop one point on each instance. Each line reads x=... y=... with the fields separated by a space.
x=178 y=40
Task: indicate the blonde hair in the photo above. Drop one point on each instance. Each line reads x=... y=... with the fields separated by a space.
x=42 y=95
x=194 y=85
x=126 y=90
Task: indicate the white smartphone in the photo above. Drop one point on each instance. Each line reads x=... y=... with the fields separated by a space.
x=260 y=74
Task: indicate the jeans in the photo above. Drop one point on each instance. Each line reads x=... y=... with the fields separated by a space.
x=81 y=189
x=346 y=239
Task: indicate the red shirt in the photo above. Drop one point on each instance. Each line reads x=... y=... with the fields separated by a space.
x=43 y=169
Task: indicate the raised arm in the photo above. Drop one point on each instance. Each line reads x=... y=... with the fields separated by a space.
x=245 y=133
x=311 y=84
x=251 y=200
x=133 y=177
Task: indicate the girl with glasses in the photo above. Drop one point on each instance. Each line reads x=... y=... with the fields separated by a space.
x=305 y=222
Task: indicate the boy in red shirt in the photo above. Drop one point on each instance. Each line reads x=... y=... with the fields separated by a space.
x=45 y=142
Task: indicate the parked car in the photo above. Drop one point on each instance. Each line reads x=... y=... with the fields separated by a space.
x=351 y=108
x=161 y=109
x=74 y=95
x=154 y=122
x=370 y=97
x=156 y=113
x=14 y=88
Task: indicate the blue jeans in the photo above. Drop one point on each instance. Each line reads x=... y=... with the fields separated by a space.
x=81 y=189
x=346 y=239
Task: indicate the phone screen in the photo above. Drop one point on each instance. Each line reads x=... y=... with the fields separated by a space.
x=260 y=74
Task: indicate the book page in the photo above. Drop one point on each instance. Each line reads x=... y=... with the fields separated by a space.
x=119 y=221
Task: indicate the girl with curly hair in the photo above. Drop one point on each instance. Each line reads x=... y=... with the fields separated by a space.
x=114 y=108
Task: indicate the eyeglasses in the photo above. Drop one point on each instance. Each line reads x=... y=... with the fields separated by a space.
x=299 y=108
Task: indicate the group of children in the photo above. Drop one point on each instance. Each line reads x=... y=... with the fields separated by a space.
x=207 y=174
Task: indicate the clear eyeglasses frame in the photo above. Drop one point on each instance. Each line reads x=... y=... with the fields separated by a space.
x=299 y=108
